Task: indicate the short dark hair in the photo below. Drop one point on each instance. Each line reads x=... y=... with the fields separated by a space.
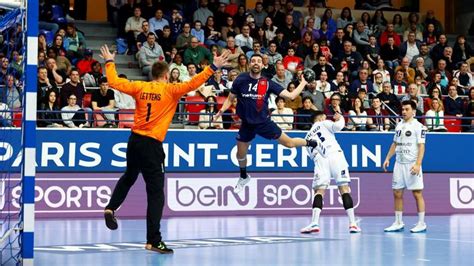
x=411 y=103
x=95 y=63
x=159 y=69
x=317 y=113
x=102 y=80
x=308 y=98
x=278 y=98
x=256 y=55
x=151 y=34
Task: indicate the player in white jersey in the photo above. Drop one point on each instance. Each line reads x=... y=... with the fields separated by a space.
x=409 y=147
x=329 y=162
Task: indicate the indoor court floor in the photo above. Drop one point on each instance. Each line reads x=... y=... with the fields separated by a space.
x=265 y=240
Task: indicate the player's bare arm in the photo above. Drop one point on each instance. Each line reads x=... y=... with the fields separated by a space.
x=227 y=103
x=390 y=153
x=415 y=169
x=292 y=95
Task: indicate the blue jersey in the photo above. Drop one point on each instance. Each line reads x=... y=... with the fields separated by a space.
x=252 y=97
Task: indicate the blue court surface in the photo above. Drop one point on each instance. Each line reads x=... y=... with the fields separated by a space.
x=263 y=240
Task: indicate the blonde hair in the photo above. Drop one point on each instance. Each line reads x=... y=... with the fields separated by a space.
x=441 y=106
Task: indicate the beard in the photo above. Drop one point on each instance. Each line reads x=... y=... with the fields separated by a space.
x=255 y=70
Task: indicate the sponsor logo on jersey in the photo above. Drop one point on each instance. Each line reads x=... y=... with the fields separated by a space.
x=408 y=133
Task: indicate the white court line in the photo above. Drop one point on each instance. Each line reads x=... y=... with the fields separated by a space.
x=423 y=260
x=71 y=179
x=434 y=239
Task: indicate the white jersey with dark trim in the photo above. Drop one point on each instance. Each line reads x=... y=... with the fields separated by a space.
x=407 y=137
x=323 y=133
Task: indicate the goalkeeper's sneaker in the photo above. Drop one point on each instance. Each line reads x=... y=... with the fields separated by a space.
x=110 y=220
x=354 y=229
x=160 y=248
x=241 y=183
x=419 y=228
x=312 y=228
x=395 y=227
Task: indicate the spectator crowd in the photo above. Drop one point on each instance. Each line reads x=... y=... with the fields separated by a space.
x=365 y=66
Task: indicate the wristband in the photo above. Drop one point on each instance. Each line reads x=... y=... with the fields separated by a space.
x=109 y=61
x=214 y=67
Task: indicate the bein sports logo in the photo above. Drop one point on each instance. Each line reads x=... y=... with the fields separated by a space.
x=217 y=194
x=462 y=193
x=209 y=194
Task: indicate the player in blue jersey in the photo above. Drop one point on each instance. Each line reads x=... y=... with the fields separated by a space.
x=252 y=91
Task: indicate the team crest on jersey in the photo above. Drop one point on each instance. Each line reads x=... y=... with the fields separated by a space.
x=408 y=133
x=343 y=174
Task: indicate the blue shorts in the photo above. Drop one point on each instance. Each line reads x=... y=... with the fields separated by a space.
x=267 y=129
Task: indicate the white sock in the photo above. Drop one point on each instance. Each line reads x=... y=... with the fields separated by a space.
x=398 y=217
x=350 y=213
x=316 y=213
x=421 y=217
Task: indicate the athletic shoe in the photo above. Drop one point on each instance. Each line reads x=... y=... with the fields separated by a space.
x=312 y=228
x=395 y=227
x=419 y=228
x=354 y=229
x=110 y=220
x=241 y=184
x=160 y=248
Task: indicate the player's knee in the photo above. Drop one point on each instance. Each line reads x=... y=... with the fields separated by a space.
x=398 y=194
x=417 y=193
x=347 y=201
x=344 y=189
x=318 y=201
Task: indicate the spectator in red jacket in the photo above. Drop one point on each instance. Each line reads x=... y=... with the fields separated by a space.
x=85 y=65
x=390 y=32
x=291 y=61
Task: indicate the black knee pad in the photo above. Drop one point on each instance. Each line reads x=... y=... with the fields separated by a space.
x=318 y=201
x=347 y=201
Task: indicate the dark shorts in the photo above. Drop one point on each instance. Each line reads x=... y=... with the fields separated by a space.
x=267 y=129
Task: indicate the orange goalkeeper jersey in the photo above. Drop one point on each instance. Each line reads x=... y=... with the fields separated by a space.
x=155 y=101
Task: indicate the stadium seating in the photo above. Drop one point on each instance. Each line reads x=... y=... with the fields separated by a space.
x=452 y=123
x=193 y=106
x=426 y=104
x=86 y=100
x=17 y=118
x=126 y=117
x=58 y=14
x=99 y=120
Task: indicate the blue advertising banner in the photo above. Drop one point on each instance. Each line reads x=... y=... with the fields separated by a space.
x=104 y=150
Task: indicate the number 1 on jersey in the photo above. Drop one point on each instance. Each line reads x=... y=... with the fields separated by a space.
x=148 y=112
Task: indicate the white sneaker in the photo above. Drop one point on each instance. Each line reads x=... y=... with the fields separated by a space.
x=241 y=184
x=395 y=227
x=312 y=228
x=354 y=229
x=419 y=228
